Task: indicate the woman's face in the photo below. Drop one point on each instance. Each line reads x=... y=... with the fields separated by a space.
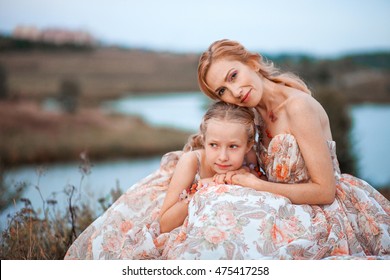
x=226 y=144
x=234 y=82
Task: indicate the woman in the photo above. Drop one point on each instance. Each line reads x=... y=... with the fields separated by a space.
x=347 y=217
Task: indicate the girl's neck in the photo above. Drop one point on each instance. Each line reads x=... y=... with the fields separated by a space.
x=205 y=171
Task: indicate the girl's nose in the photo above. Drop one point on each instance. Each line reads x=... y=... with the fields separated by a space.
x=223 y=155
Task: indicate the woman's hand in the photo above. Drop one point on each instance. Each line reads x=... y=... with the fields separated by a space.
x=244 y=179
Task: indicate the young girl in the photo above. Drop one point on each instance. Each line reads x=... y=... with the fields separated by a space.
x=224 y=143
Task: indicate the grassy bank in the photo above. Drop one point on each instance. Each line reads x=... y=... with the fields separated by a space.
x=30 y=135
x=46 y=233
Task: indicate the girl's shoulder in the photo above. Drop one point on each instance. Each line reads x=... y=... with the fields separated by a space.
x=194 y=156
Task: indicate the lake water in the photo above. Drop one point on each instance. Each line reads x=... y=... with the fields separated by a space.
x=183 y=111
x=370 y=133
x=371 y=137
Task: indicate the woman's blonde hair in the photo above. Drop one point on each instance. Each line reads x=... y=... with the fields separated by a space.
x=232 y=50
x=223 y=112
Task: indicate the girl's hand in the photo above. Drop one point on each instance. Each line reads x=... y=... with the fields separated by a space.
x=225 y=178
x=219 y=178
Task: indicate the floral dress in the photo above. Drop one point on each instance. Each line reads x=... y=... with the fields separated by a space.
x=233 y=222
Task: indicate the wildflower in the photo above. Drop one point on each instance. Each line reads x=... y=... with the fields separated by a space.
x=85 y=166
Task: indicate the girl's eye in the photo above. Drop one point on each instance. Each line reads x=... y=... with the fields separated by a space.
x=213 y=145
x=233 y=146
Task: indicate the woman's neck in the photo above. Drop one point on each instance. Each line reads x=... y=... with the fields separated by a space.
x=273 y=96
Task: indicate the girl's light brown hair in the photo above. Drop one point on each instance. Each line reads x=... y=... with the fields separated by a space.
x=222 y=111
x=232 y=50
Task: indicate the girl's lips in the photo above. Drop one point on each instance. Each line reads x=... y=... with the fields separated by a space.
x=245 y=98
x=222 y=166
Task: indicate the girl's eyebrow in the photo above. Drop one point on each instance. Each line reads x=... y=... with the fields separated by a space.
x=225 y=80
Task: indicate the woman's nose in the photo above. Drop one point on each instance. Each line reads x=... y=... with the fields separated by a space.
x=236 y=91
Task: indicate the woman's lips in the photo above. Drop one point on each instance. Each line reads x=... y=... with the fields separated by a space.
x=245 y=98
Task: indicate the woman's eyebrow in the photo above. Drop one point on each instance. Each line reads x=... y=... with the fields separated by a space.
x=225 y=80
x=227 y=74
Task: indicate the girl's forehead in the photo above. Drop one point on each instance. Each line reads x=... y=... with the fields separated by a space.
x=227 y=128
x=225 y=122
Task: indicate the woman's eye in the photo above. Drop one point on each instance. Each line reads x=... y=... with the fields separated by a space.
x=233 y=76
x=221 y=91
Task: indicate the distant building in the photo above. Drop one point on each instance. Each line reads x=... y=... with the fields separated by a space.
x=57 y=36
x=30 y=33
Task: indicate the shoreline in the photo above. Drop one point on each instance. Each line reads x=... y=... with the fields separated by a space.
x=33 y=136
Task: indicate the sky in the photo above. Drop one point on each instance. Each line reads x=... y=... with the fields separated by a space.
x=321 y=28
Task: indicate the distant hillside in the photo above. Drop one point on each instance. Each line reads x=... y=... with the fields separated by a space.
x=360 y=77
x=379 y=60
x=35 y=70
x=8 y=43
x=376 y=60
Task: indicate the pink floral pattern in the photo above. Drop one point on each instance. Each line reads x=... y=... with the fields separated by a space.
x=233 y=222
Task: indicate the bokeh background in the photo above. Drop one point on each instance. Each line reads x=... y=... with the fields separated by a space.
x=94 y=92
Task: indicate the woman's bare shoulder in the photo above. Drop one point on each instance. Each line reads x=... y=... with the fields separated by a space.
x=302 y=104
x=305 y=116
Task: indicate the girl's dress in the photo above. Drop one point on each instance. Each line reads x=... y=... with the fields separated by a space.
x=233 y=222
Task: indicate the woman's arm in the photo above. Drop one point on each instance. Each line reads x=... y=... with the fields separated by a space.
x=173 y=211
x=253 y=164
x=304 y=121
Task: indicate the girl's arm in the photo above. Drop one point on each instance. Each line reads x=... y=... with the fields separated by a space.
x=303 y=116
x=173 y=211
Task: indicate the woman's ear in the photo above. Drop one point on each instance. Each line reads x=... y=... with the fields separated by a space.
x=254 y=65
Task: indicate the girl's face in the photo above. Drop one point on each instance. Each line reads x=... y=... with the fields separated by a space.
x=235 y=82
x=226 y=144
